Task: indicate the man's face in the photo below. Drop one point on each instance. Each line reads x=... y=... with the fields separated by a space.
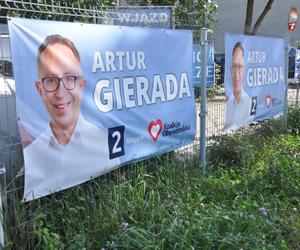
x=237 y=70
x=62 y=105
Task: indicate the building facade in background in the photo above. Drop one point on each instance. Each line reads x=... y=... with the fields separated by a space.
x=232 y=14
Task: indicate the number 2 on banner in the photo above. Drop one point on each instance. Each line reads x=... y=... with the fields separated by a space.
x=116 y=148
x=116 y=142
x=253 y=105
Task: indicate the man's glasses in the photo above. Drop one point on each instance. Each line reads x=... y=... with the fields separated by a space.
x=236 y=68
x=51 y=84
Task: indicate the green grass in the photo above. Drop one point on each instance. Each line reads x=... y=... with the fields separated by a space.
x=249 y=199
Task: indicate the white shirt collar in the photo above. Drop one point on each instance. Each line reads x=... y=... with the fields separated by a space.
x=53 y=143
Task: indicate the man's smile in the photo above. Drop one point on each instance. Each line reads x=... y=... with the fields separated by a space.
x=62 y=105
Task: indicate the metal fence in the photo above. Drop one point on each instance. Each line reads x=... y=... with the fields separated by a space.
x=10 y=145
x=11 y=158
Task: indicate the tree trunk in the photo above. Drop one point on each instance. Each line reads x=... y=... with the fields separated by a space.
x=249 y=15
x=248 y=20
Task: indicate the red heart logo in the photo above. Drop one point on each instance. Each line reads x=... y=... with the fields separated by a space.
x=154 y=129
x=268 y=101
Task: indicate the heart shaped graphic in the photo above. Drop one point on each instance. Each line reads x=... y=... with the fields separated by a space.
x=268 y=100
x=154 y=129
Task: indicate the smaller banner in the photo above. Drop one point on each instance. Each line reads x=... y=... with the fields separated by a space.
x=210 y=77
x=297 y=65
x=254 y=79
x=157 y=17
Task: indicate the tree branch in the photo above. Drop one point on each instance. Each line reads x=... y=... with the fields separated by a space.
x=261 y=17
x=248 y=20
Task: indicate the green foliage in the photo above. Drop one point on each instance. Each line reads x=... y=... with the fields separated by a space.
x=48 y=240
x=202 y=12
x=239 y=148
x=162 y=2
x=233 y=150
x=294 y=120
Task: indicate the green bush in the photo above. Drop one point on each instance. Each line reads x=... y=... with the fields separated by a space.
x=294 y=120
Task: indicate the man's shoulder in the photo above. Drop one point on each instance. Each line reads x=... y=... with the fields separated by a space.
x=89 y=129
x=230 y=101
x=246 y=97
x=247 y=101
x=41 y=141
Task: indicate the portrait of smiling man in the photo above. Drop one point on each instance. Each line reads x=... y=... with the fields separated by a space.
x=238 y=105
x=71 y=150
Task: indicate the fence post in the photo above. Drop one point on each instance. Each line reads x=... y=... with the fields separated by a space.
x=203 y=43
x=94 y=15
x=173 y=20
x=286 y=76
x=3 y=218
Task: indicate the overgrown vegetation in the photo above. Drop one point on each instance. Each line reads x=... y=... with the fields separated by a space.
x=249 y=199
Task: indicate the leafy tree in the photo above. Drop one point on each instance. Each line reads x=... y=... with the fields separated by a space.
x=199 y=13
x=249 y=15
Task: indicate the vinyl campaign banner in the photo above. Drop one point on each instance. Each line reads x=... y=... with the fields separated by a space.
x=158 y=17
x=210 y=78
x=297 y=65
x=254 y=79
x=91 y=98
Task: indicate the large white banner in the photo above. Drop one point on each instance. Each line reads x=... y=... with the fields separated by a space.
x=93 y=97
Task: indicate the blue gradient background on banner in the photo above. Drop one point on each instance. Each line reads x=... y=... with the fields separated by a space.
x=166 y=51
